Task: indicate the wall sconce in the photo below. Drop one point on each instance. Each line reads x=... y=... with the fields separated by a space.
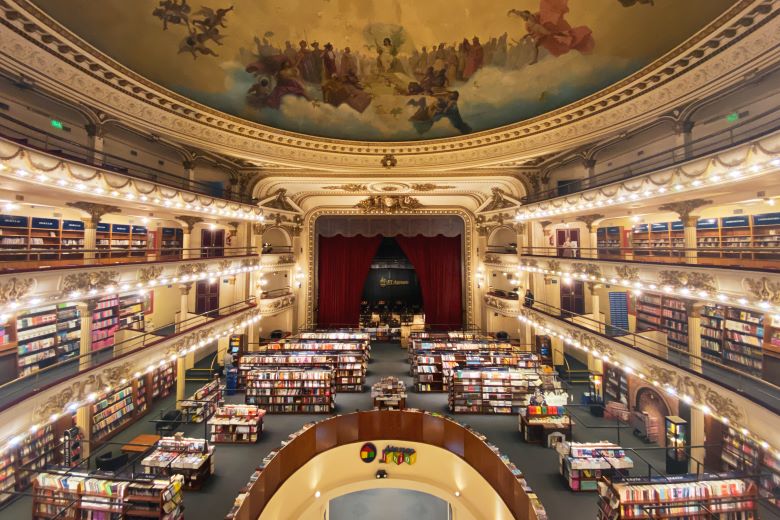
x=299 y=276
x=381 y=474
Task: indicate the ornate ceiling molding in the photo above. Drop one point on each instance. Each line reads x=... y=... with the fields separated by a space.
x=740 y=40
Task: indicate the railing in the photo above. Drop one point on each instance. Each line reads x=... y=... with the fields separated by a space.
x=755 y=257
x=275 y=293
x=379 y=425
x=14 y=260
x=742 y=132
x=276 y=250
x=55 y=144
x=25 y=386
x=753 y=388
x=508 y=249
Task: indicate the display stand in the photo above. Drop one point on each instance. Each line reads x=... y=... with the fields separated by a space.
x=676 y=430
x=389 y=393
x=583 y=464
x=179 y=455
x=236 y=424
x=540 y=421
x=201 y=405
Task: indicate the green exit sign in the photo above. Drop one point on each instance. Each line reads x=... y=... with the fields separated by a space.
x=57 y=124
x=732 y=117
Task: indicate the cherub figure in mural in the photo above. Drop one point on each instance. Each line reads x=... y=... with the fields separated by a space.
x=173 y=12
x=431 y=109
x=195 y=43
x=204 y=30
x=548 y=29
x=212 y=19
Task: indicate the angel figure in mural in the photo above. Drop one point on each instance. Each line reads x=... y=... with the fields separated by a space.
x=195 y=43
x=172 y=12
x=212 y=19
x=548 y=29
x=204 y=30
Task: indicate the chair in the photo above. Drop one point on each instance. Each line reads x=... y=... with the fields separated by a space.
x=109 y=462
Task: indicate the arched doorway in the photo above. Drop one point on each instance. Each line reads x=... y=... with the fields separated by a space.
x=388 y=504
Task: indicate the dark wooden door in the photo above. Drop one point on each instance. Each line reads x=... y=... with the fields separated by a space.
x=573 y=297
x=212 y=243
x=207 y=297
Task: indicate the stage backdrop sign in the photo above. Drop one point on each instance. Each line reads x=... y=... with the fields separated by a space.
x=390 y=285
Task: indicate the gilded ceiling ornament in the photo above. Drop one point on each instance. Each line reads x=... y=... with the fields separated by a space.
x=697 y=390
x=191 y=269
x=627 y=272
x=498 y=200
x=388 y=204
x=88 y=281
x=347 y=187
x=685 y=209
x=150 y=273
x=763 y=289
x=389 y=161
x=16 y=289
x=429 y=187
x=589 y=220
x=693 y=280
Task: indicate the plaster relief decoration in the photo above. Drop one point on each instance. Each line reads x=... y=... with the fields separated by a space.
x=15 y=289
x=82 y=282
x=492 y=259
x=699 y=391
x=385 y=70
x=191 y=269
x=762 y=289
x=277 y=304
x=388 y=204
x=627 y=272
x=150 y=273
x=693 y=281
x=79 y=390
x=553 y=265
x=283 y=260
x=498 y=200
x=280 y=201
x=501 y=304
x=430 y=187
x=347 y=187
x=592 y=270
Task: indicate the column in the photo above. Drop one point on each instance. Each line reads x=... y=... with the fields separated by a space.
x=189 y=173
x=84 y=422
x=181 y=381
x=592 y=227
x=189 y=223
x=590 y=166
x=95 y=212
x=184 y=295
x=685 y=211
x=595 y=304
x=697 y=439
x=694 y=335
x=85 y=328
x=95 y=134
x=683 y=131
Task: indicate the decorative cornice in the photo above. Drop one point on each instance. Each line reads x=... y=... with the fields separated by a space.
x=718 y=54
x=693 y=281
x=762 y=289
x=15 y=289
x=189 y=221
x=352 y=187
x=685 y=209
x=389 y=204
x=94 y=210
x=95 y=280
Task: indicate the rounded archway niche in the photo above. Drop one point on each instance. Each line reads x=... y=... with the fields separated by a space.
x=653 y=404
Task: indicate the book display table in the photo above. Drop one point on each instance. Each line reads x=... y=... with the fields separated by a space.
x=236 y=424
x=583 y=464
x=540 y=421
x=389 y=393
x=191 y=458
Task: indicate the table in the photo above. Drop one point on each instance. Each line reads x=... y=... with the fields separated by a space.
x=147 y=439
x=536 y=432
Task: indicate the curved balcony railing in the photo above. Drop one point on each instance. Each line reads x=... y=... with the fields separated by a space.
x=23 y=387
x=738 y=133
x=275 y=293
x=376 y=425
x=753 y=388
x=38 y=259
x=57 y=145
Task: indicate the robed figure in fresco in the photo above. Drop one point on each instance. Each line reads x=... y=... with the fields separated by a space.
x=548 y=29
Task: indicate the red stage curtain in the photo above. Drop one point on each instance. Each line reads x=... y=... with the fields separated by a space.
x=437 y=262
x=343 y=267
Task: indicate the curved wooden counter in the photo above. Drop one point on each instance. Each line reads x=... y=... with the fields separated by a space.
x=387 y=425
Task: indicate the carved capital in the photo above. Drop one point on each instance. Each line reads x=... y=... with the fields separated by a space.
x=15 y=289
x=80 y=282
x=683 y=127
x=627 y=272
x=692 y=280
x=589 y=220
x=150 y=273
x=189 y=221
x=191 y=269
x=94 y=130
x=94 y=210
x=762 y=289
x=188 y=165
x=545 y=223
x=184 y=288
x=685 y=209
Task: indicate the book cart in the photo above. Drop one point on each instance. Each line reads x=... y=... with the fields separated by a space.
x=236 y=424
x=201 y=404
x=682 y=497
x=191 y=458
x=583 y=464
x=81 y=495
x=292 y=390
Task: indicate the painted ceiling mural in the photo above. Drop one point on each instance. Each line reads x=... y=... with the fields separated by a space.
x=385 y=70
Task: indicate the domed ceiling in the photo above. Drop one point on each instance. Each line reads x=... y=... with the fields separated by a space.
x=385 y=70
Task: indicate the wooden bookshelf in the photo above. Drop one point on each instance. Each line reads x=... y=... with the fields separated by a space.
x=45 y=336
x=202 y=404
x=678 y=497
x=349 y=366
x=492 y=391
x=741 y=454
x=236 y=424
x=291 y=390
x=159 y=499
x=131 y=312
x=105 y=322
x=37 y=450
x=432 y=370
x=669 y=315
x=615 y=385
x=113 y=412
x=611 y=242
x=171 y=243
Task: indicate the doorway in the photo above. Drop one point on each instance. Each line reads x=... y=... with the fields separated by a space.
x=207 y=298
x=567 y=242
x=212 y=243
x=573 y=297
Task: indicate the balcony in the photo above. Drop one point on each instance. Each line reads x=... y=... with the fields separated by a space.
x=276 y=301
x=502 y=303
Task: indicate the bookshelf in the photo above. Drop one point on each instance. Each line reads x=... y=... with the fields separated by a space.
x=583 y=464
x=202 y=404
x=171 y=243
x=389 y=393
x=35 y=452
x=669 y=315
x=678 y=497
x=191 y=458
x=741 y=454
x=45 y=336
x=291 y=390
x=708 y=238
x=432 y=370
x=36 y=238
x=162 y=380
x=733 y=337
x=7 y=475
x=610 y=242
x=492 y=391
x=113 y=412
x=105 y=322
x=615 y=385
x=81 y=495
x=131 y=312
x=236 y=424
